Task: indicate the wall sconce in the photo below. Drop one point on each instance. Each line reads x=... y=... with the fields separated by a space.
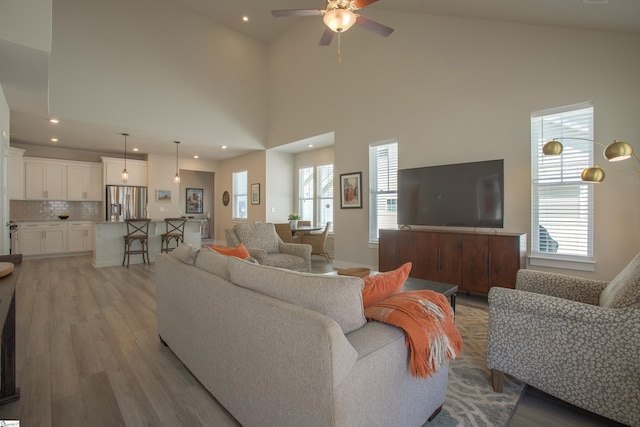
x=125 y=173
x=614 y=152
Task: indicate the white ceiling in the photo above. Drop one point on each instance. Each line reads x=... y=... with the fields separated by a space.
x=23 y=69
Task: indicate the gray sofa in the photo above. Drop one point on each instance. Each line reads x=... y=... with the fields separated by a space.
x=283 y=348
x=264 y=244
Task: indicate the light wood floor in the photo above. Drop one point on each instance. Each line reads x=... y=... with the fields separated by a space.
x=88 y=355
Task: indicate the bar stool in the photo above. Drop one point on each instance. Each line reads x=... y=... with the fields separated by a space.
x=175 y=231
x=137 y=230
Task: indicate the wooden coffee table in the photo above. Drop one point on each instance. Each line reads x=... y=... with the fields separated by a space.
x=413 y=284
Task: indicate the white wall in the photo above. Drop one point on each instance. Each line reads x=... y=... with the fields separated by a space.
x=454 y=90
x=154 y=67
x=279 y=189
x=4 y=182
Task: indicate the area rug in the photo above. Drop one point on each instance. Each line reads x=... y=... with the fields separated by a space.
x=470 y=399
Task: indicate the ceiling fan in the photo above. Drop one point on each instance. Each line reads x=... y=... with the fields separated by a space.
x=339 y=16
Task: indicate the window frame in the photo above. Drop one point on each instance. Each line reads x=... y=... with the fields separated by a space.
x=237 y=195
x=558 y=193
x=375 y=193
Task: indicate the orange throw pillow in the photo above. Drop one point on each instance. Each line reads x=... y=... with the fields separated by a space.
x=383 y=285
x=239 y=251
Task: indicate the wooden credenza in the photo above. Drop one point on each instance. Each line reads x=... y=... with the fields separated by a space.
x=473 y=261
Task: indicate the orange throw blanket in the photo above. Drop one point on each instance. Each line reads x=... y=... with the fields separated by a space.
x=427 y=320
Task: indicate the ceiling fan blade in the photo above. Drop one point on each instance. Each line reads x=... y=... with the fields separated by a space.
x=374 y=26
x=364 y=3
x=296 y=12
x=327 y=37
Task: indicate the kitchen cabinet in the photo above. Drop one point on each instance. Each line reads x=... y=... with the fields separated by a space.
x=473 y=261
x=80 y=236
x=45 y=179
x=16 y=174
x=41 y=238
x=84 y=182
x=113 y=172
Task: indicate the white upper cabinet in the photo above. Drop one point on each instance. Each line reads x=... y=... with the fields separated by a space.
x=16 y=174
x=45 y=179
x=84 y=182
x=113 y=172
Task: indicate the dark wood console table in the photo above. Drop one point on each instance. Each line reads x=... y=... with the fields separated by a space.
x=475 y=261
x=8 y=390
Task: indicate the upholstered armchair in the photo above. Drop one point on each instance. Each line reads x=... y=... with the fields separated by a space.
x=576 y=339
x=264 y=244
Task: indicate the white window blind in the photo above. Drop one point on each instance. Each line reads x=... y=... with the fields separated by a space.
x=239 y=195
x=305 y=193
x=325 y=195
x=383 y=188
x=562 y=204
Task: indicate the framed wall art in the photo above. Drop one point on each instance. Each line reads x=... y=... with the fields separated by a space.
x=255 y=194
x=351 y=190
x=163 y=196
x=194 y=200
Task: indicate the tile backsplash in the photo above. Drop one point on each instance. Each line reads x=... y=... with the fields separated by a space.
x=46 y=210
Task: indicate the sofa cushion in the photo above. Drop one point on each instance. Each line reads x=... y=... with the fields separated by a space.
x=337 y=297
x=239 y=251
x=185 y=253
x=383 y=285
x=258 y=235
x=624 y=289
x=213 y=262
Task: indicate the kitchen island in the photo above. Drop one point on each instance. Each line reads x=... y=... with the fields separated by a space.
x=109 y=243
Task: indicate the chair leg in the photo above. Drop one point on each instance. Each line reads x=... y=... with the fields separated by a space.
x=497 y=380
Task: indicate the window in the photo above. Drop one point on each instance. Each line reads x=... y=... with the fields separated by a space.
x=315 y=194
x=239 y=195
x=305 y=193
x=383 y=188
x=562 y=204
x=325 y=195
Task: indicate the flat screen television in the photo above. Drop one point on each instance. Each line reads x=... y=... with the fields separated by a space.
x=457 y=195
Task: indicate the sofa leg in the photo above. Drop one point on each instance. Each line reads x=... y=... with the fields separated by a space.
x=435 y=413
x=497 y=380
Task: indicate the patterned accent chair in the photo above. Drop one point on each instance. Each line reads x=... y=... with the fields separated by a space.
x=573 y=338
x=264 y=244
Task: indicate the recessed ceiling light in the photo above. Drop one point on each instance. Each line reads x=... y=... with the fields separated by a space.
x=224 y=147
x=245 y=18
x=195 y=157
x=310 y=146
x=135 y=149
x=54 y=139
x=54 y=121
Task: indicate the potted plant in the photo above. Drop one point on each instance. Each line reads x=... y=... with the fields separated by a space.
x=293 y=220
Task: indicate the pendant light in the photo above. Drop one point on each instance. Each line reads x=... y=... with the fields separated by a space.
x=125 y=173
x=176 y=179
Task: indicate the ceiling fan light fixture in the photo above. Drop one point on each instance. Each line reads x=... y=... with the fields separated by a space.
x=339 y=20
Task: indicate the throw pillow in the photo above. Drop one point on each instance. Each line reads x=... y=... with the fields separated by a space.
x=185 y=253
x=337 y=297
x=239 y=251
x=383 y=285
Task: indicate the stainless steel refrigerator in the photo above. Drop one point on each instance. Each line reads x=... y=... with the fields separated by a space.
x=124 y=202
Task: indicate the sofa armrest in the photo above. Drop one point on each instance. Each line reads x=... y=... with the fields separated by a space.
x=559 y=285
x=257 y=253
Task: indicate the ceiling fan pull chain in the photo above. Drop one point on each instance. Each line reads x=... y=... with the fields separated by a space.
x=339 y=53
